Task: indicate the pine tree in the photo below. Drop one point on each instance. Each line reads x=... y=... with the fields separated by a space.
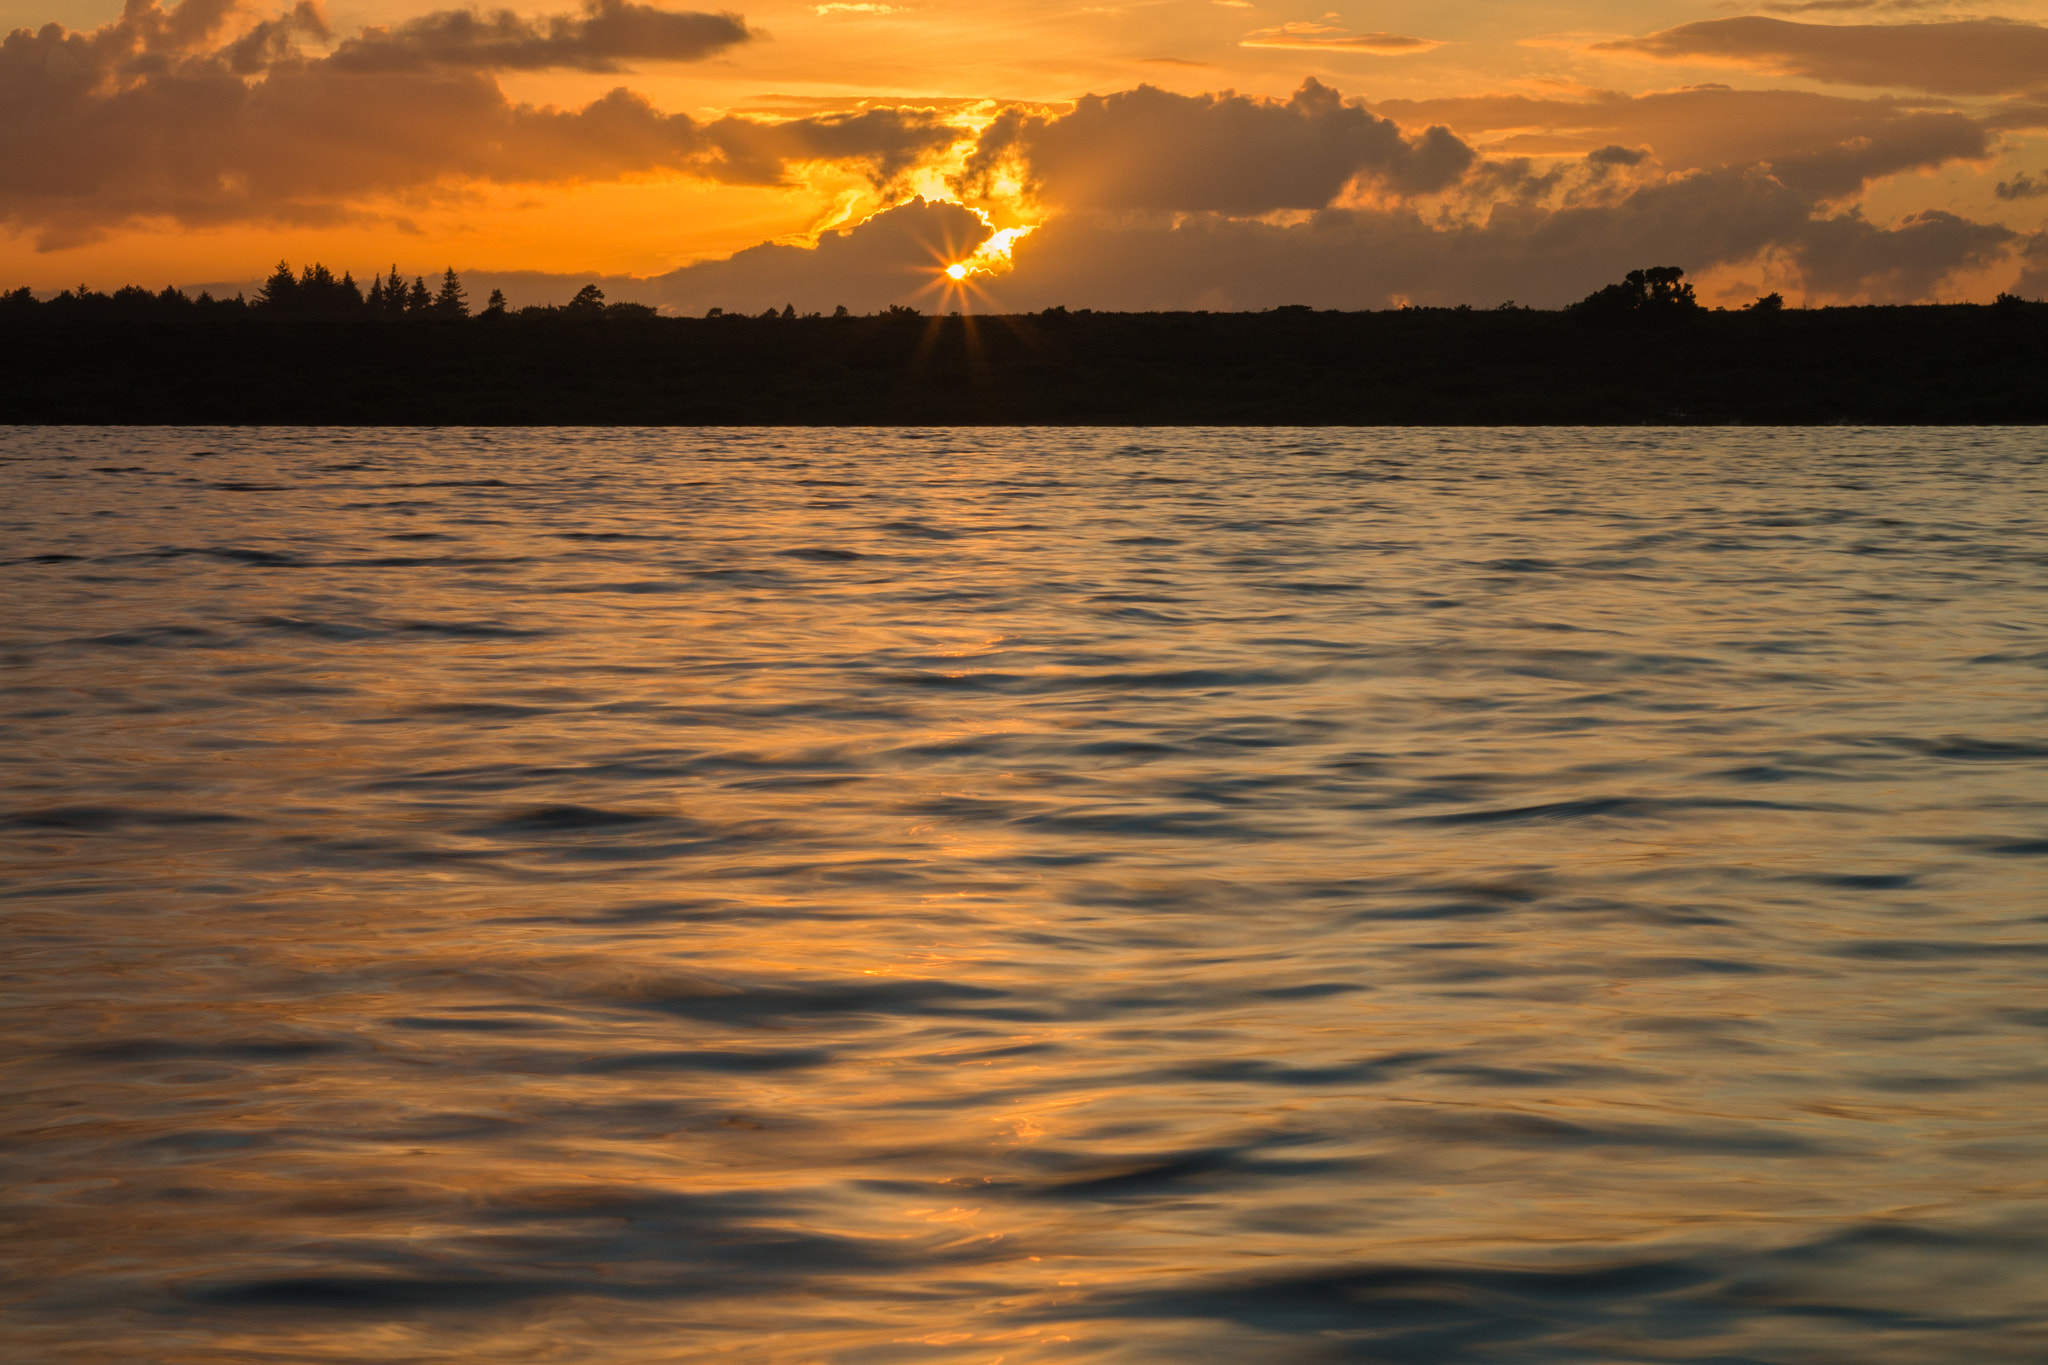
x=280 y=291
x=495 y=308
x=394 y=292
x=417 y=299
x=320 y=293
x=453 y=301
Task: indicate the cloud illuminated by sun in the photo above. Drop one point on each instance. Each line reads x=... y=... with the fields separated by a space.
x=993 y=256
x=956 y=280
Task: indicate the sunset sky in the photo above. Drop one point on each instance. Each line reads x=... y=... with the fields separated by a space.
x=1162 y=153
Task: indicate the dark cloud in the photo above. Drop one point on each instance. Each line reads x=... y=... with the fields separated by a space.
x=2022 y=186
x=1150 y=149
x=1841 y=6
x=1847 y=256
x=606 y=34
x=892 y=258
x=2033 y=280
x=156 y=116
x=1955 y=57
x=1544 y=256
x=1830 y=144
x=1146 y=219
x=1352 y=258
x=1614 y=154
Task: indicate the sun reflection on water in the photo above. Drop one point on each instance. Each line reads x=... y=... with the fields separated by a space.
x=1153 y=896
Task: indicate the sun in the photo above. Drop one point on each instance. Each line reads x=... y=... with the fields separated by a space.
x=957 y=271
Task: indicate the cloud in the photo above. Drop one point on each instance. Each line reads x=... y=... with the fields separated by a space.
x=1827 y=145
x=893 y=257
x=1367 y=258
x=2022 y=186
x=1614 y=154
x=1354 y=257
x=156 y=116
x=1307 y=37
x=1848 y=256
x=605 y=34
x=2033 y=280
x=1149 y=149
x=1958 y=57
x=1839 y=6
x=1161 y=201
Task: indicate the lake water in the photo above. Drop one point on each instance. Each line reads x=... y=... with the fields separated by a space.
x=1423 y=897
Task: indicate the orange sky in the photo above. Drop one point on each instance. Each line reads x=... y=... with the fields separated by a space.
x=1837 y=151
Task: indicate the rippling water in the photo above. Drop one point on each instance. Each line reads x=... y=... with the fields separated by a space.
x=1040 y=896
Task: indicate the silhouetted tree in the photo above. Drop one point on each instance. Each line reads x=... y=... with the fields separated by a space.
x=494 y=307
x=1658 y=291
x=452 y=301
x=417 y=299
x=280 y=292
x=1773 y=302
x=392 y=295
x=316 y=293
x=840 y=311
x=589 y=301
x=789 y=310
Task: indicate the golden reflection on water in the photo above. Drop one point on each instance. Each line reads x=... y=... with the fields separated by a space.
x=1037 y=896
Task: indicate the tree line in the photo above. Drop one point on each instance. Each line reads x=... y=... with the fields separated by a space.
x=315 y=292
x=1659 y=293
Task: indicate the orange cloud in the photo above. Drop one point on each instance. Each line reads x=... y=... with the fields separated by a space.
x=1826 y=145
x=1324 y=38
x=1963 y=57
x=1151 y=149
x=155 y=116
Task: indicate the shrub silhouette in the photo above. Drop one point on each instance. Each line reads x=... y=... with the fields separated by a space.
x=1659 y=291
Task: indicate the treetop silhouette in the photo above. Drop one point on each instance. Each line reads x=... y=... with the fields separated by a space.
x=1659 y=291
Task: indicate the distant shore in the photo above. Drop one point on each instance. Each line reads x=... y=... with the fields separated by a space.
x=1937 y=364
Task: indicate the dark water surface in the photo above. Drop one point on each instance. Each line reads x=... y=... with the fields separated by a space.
x=1031 y=896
